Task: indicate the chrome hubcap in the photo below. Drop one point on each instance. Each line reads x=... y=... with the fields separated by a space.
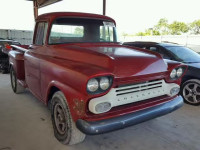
x=59 y=118
x=191 y=93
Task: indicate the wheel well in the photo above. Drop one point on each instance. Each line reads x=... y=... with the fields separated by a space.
x=50 y=95
x=189 y=78
x=186 y=78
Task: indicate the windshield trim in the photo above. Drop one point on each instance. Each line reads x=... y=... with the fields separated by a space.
x=84 y=42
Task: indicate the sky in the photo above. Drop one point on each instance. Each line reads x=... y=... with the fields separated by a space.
x=131 y=16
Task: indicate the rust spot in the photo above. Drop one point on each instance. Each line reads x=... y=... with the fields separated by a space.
x=79 y=106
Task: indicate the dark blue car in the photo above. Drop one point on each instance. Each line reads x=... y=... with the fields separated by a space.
x=190 y=87
x=4 y=61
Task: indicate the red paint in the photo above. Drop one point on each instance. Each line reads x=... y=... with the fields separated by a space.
x=68 y=67
x=8 y=47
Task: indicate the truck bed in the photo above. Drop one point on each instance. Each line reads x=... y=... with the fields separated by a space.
x=16 y=59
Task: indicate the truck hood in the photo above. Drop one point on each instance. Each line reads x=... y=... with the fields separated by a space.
x=120 y=60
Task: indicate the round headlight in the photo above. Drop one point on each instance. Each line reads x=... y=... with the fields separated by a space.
x=179 y=72
x=104 y=83
x=173 y=74
x=93 y=85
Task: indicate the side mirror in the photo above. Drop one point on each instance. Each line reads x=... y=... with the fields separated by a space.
x=30 y=47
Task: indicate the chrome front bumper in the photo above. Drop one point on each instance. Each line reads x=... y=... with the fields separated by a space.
x=120 y=122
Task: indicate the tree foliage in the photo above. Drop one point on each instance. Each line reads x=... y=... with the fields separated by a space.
x=162 y=27
x=141 y=34
x=78 y=31
x=155 y=32
x=177 y=28
x=195 y=27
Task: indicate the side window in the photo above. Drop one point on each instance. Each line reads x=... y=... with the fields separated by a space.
x=141 y=46
x=41 y=33
x=158 y=50
x=164 y=55
x=154 y=49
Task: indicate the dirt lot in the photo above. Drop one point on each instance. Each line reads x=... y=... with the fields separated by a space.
x=25 y=124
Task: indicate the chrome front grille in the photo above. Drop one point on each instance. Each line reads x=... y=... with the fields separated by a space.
x=131 y=93
x=145 y=86
x=140 y=91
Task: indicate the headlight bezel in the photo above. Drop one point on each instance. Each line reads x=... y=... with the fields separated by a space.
x=102 y=83
x=95 y=83
x=182 y=71
x=177 y=76
x=100 y=90
x=174 y=71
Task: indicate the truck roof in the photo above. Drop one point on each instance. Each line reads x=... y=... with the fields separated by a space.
x=52 y=16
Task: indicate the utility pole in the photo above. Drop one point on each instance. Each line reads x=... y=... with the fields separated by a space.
x=104 y=7
x=35 y=9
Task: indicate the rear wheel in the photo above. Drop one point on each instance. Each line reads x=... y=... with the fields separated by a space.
x=16 y=86
x=191 y=92
x=65 y=129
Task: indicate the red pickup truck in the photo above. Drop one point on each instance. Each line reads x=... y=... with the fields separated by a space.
x=91 y=83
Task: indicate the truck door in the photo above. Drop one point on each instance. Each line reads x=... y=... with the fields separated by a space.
x=33 y=60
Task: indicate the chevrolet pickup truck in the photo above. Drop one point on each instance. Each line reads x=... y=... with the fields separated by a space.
x=91 y=83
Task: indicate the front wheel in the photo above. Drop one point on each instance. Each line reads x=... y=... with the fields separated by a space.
x=65 y=129
x=191 y=92
x=16 y=86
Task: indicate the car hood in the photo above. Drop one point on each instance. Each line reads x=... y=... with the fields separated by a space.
x=195 y=65
x=119 y=60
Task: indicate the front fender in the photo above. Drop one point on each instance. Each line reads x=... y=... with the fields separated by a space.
x=75 y=100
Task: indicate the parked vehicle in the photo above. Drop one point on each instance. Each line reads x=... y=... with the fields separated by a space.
x=90 y=82
x=4 y=48
x=190 y=86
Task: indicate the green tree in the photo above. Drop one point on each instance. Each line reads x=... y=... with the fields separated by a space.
x=195 y=27
x=124 y=35
x=148 y=32
x=155 y=32
x=78 y=31
x=162 y=27
x=140 y=34
x=177 y=28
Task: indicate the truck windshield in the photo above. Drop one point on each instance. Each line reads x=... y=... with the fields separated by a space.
x=77 y=30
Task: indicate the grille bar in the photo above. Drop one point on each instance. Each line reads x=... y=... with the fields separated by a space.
x=138 y=90
x=140 y=84
x=139 y=87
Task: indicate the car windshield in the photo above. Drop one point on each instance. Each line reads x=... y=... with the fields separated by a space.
x=184 y=54
x=73 y=30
